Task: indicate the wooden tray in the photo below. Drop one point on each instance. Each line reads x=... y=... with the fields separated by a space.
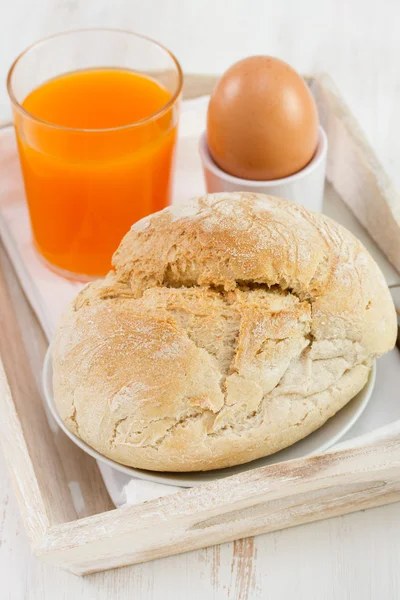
x=81 y=532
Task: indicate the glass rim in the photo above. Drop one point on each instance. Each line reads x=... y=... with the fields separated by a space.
x=18 y=106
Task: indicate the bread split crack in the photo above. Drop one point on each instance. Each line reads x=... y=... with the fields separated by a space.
x=228 y=330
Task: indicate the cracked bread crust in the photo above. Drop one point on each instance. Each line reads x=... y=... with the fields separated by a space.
x=229 y=329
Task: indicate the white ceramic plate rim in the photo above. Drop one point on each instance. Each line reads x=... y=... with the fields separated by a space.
x=353 y=409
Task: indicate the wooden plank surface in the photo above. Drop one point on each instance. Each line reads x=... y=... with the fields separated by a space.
x=358 y=177
x=230 y=570
x=364 y=473
x=22 y=349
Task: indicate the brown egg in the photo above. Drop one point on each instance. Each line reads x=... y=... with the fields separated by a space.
x=262 y=120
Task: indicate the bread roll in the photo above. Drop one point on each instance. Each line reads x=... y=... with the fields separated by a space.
x=229 y=329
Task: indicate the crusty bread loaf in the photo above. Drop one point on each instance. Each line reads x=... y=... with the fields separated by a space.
x=229 y=329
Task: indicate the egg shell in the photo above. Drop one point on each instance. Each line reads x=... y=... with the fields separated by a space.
x=262 y=121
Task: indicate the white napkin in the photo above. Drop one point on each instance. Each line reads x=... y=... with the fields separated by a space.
x=48 y=293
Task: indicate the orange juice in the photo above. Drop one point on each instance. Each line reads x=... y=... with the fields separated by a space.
x=94 y=162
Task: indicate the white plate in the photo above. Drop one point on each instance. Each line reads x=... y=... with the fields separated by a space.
x=316 y=442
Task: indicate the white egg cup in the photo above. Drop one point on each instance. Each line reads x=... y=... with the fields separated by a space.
x=305 y=187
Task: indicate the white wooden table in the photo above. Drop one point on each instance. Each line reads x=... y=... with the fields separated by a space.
x=355 y=557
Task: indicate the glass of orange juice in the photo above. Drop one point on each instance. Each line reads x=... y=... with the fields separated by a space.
x=95 y=114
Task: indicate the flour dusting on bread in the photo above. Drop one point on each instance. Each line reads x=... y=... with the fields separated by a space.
x=230 y=328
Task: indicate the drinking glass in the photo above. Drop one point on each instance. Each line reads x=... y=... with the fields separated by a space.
x=85 y=187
